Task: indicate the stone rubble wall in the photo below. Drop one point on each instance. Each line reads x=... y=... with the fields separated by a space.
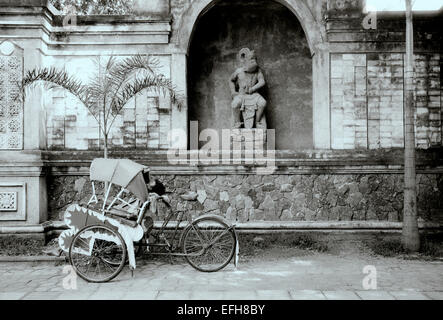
x=243 y=198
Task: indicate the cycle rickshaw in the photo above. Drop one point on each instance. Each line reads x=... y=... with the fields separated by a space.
x=108 y=231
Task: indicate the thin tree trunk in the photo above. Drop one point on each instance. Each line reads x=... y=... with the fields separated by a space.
x=105 y=153
x=105 y=146
x=411 y=238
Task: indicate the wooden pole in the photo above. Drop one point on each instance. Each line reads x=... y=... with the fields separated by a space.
x=411 y=237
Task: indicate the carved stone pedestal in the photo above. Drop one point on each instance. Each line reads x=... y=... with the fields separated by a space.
x=248 y=140
x=23 y=199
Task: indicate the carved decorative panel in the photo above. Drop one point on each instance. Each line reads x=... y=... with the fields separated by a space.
x=13 y=201
x=8 y=201
x=11 y=106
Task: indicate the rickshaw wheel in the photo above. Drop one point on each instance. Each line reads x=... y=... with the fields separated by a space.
x=97 y=253
x=201 y=236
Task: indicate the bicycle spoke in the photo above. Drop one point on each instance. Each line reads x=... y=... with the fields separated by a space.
x=108 y=265
x=217 y=241
x=106 y=258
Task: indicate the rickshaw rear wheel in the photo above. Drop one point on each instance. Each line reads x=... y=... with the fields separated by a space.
x=97 y=253
x=214 y=239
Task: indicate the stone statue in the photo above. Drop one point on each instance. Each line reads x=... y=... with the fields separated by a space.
x=248 y=105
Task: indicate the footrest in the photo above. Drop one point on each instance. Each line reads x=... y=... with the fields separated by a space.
x=122 y=214
x=124 y=221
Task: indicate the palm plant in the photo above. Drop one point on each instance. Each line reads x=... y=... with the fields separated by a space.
x=113 y=84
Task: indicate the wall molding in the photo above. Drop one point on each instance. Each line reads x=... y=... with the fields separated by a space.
x=359 y=226
x=287 y=162
x=55 y=170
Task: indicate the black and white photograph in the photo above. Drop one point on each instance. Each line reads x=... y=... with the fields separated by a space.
x=222 y=155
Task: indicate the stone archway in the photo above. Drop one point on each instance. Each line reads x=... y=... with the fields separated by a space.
x=315 y=35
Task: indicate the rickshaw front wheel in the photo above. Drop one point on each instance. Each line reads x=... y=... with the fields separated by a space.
x=97 y=253
x=209 y=244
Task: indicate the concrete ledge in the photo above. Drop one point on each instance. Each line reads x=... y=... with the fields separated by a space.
x=339 y=225
x=265 y=226
x=31 y=229
x=31 y=259
x=389 y=161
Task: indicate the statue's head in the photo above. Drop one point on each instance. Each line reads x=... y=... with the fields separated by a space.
x=248 y=60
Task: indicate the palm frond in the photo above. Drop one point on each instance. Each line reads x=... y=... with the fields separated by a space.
x=110 y=63
x=100 y=86
x=154 y=83
x=157 y=84
x=126 y=70
x=122 y=70
x=52 y=78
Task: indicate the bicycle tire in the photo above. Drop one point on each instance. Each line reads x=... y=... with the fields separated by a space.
x=99 y=257
x=214 y=228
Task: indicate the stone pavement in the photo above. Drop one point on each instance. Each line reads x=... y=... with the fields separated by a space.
x=311 y=276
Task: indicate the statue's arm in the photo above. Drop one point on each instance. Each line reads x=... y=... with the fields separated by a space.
x=260 y=82
x=232 y=82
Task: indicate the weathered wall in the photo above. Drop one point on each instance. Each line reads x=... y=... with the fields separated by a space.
x=366 y=83
x=283 y=54
x=367 y=100
x=144 y=122
x=365 y=197
x=367 y=78
x=363 y=111
x=357 y=89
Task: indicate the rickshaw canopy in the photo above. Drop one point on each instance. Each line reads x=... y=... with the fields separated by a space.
x=122 y=172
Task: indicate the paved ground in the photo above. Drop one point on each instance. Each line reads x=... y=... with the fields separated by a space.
x=288 y=276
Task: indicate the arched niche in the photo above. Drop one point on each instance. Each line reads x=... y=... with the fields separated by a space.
x=314 y=31
x=284 y=53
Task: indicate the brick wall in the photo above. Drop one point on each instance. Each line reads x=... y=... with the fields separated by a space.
x=385 y=100
x=348 y=101
x=428 y=100
x=143 y=123
x=367 y=93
